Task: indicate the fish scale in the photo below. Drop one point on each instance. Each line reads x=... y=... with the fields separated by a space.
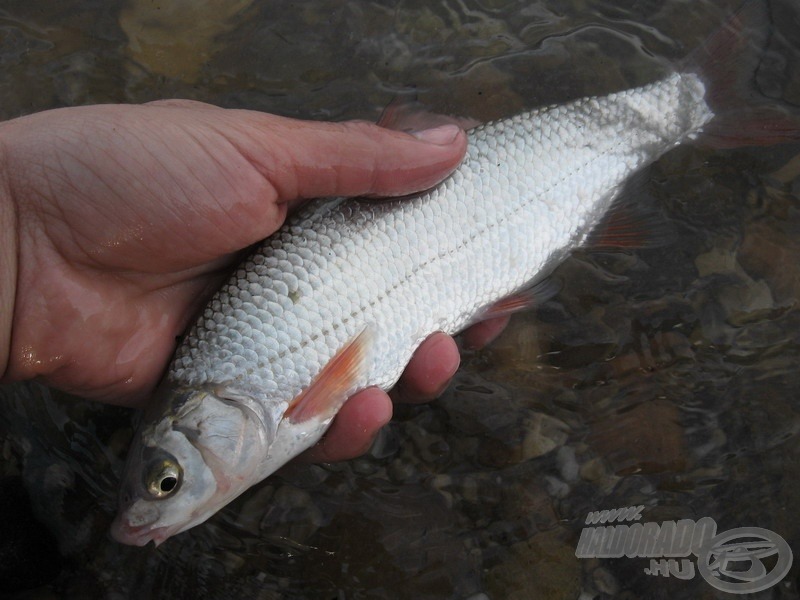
x=340 y=297
x=530 y=187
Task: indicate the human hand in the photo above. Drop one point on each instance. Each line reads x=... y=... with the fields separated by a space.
x=425 y=378
x=127 y=218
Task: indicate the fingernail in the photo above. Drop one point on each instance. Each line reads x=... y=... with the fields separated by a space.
x=442 y=135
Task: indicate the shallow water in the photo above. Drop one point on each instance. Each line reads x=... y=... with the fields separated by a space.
x=665 y=378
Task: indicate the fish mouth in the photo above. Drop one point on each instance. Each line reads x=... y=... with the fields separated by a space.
x=138 y=535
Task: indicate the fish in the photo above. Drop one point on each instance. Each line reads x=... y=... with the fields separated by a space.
x=340 y=297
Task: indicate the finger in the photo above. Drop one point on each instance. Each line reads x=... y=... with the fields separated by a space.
x=429 y=371
x=9 y=260
x=481 y=334
x=354 y=427
x=304 y=159
x=182 y=103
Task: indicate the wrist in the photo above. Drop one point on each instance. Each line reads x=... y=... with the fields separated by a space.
x=8 y=261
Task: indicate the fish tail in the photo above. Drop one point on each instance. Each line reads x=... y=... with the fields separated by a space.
x=727 y=63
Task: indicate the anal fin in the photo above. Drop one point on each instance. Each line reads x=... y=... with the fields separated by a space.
x=524 y=299
x=632 y=222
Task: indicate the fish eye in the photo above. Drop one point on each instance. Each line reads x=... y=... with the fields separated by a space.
x=163 y=478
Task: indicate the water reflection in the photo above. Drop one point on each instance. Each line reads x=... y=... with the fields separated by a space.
x=664 y=378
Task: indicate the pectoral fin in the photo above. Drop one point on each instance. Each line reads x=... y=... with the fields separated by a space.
x=329 y=390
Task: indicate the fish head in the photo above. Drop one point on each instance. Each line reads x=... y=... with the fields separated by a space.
x=194 y=452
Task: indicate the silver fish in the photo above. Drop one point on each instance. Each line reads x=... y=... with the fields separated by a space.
x=342 y=295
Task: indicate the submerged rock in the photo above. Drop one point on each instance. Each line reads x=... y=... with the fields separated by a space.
x=542 y=567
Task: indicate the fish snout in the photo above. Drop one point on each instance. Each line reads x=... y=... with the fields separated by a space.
x=136 y=535
x=135 y=524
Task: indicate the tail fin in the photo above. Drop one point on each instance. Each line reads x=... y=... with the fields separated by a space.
x=727 y=64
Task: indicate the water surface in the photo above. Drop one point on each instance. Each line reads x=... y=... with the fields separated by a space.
x=665 y=378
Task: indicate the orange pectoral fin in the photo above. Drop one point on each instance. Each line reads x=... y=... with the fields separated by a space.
x=326 y=394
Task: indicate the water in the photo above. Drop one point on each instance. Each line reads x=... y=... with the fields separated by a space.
x=664 y=378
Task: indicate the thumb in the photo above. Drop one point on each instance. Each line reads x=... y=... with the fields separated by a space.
x=307 y=159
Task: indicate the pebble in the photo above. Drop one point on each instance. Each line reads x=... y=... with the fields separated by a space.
x=544 y=434
x=605 y=581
